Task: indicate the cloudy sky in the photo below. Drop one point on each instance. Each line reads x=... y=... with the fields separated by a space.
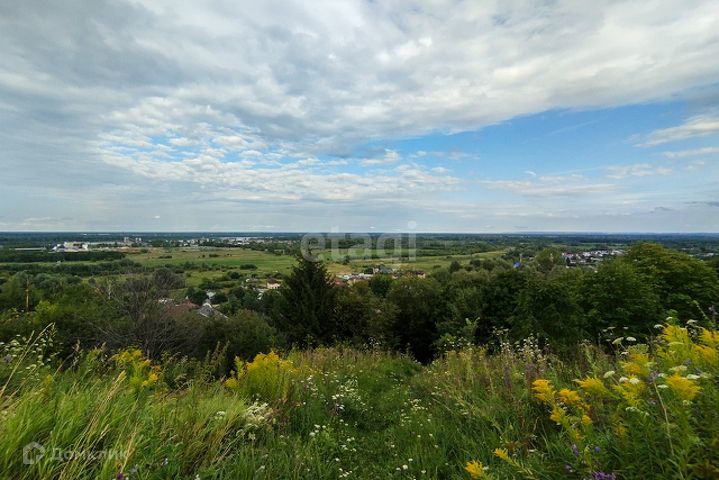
x=437 y=115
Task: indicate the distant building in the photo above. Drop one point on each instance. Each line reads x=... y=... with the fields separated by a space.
x=207 y=310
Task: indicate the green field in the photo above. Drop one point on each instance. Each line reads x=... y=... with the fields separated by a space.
x=219 y=260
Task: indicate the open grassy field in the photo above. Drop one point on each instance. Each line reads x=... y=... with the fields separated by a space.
x=215 y=258
x=219 y=260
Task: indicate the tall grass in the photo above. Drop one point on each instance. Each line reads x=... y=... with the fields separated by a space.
x=644 y=411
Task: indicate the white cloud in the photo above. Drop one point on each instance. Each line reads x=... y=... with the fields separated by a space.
x=389 y=157
x=552 y=186
x=699 y=126
x=232 y=102
x=637 y=170
x=708 y=151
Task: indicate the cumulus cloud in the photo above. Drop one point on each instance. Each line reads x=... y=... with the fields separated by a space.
x=108 y=98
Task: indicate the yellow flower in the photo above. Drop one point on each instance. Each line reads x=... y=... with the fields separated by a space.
x=475 y=469
x=593 y=385
x=678 y=335
x=543 y=390
x=570 y=397
x=631 y=390
x=707 y=354
x=683 y=387
x=586 y=420
x=231 y=383
x=638 y=364
x=710 y=338
x=502 y=453
x=558 y=414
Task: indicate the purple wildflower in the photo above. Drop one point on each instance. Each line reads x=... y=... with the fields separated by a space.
x=597 y=475
x=575 y=450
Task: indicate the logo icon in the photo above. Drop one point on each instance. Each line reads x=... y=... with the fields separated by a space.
x=32 y=453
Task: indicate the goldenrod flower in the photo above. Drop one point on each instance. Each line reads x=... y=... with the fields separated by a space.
x=707 y=354
x=593 y=386
x=586 y=420
x=558 y=414
x=475 y=469
x=710 y=338
x=683 y=387
x=543 y=390
x=571 y=397
x=638 y=364
x=502 y=453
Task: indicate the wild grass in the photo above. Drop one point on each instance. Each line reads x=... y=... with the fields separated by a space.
x=644 y=411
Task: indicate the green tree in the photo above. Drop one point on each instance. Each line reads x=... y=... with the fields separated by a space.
x=500 y=297
x=549 y=309
x=617 y=295
x=417 y=302
x=19 y=292
x=548 y=259
x=683 y=283
x=363 y=317
x=455 y=266
x=244 y=334
x=380 y=284
x=307 y=302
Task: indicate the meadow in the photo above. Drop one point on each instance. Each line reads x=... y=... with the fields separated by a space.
x=476 y=412
x=214 y=262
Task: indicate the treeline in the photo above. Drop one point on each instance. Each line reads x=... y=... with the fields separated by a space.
x=474 y=302
x=466 y=303
x=19 y=256
x=124 y=266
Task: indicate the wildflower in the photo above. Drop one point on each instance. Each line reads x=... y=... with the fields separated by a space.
x=709 y=338
x=609 y=373
x=575 y=450
x=683 y=387
x=502 y=453
x=569 y=397
x=708 y=354
x=475 y=469
x=586 y=420
x=596 y=475
x=543 y=390
x=593 y=385
x=231 y=383
x=675 y=335
x=558 y=414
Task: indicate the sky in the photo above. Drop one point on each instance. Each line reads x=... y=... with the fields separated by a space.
x=358 y=115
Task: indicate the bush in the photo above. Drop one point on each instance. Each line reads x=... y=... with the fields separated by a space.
x=244 y=334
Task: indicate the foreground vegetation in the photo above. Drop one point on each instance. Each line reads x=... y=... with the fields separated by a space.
x=500 y=411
